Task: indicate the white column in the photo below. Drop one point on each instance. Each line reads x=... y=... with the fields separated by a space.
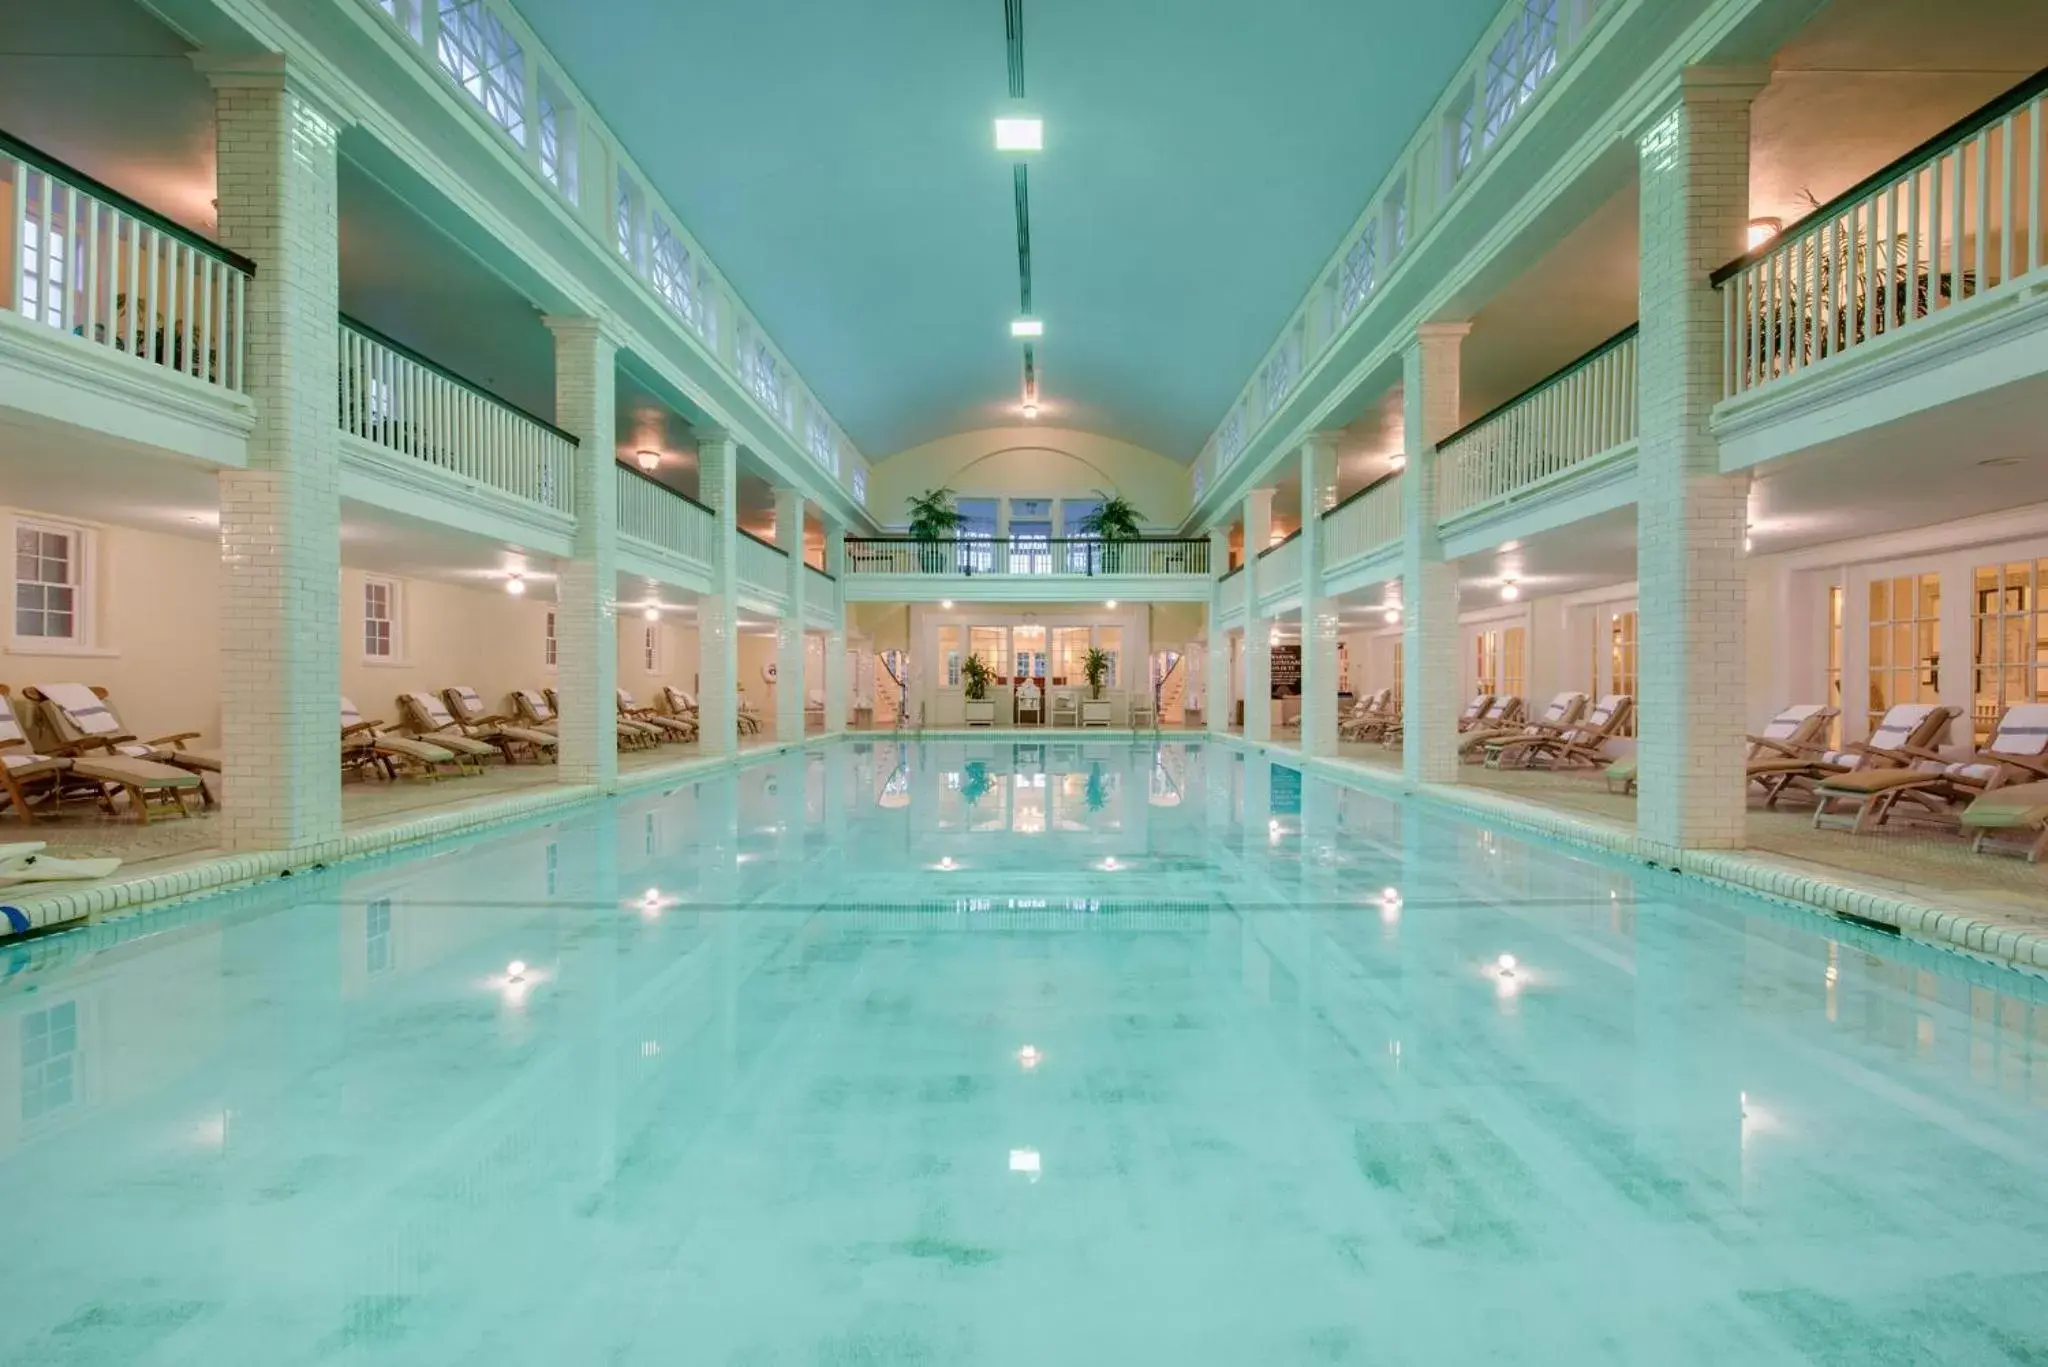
x=1258 y=643
x=718 y=641
x=586 y=589
x=1318 y=609
x=1694 y=163
x=280 y=519
x=838 y=682
x=1429 y=586
x=789 y=633
x=1216 y=665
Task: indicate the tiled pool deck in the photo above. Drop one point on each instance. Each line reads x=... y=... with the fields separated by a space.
x=1926 y=885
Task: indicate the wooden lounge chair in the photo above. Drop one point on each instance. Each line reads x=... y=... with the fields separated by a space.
x=75 y=712
x=480 y=722
x=666 y=727
x=2012 y=819
x=1581 y=744
x=630 y=734
x=365 y=745
x=1368 y=717
x=428 y=719
x=1905 y=735
x=2018 y=753
x=84 y=768
x=1793 y=735
x=680 y=704
x=1560 y=716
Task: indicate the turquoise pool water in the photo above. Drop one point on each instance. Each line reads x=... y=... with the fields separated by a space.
x=980 y=1053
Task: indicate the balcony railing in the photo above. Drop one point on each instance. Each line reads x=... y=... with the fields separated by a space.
x=1054 y=557
x=87 y=260
x=822 y=575
x=762 y=564
x=1280 y=565
x=395 y=397
x=1955 y=219
x=1364 y=522
x=1581 y=412
x=657 y=514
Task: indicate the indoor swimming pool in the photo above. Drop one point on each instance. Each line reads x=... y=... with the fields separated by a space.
x=980 y=1052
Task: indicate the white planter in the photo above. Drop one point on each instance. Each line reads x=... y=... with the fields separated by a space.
x=1095 y=711
x=981 y=713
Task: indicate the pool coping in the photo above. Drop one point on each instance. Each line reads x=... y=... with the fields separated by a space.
x=24 y=912
x=1747 y=871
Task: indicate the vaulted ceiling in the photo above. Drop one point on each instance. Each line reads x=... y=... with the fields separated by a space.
x=1202 y=159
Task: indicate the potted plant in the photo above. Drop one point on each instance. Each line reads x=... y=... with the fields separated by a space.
x=981 y=709
x=1095 y=669
x=1115 y=519
x=934 y=519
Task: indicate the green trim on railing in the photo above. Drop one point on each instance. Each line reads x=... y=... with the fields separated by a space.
x=826 y=575
x=1033 y=540
x=1278 y=544
x=1346 y=503
x=108 y=195
x=1556 y=377
x=1975 y=121
x=646 y=478
x=387 y=340
x=759 y=542
x=1234 y=569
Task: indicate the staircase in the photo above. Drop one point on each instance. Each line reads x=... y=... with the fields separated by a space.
x=1174 y=688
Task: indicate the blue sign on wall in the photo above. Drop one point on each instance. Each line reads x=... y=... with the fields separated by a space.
x=1286 y=791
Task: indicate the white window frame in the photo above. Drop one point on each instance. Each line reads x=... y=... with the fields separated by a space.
x=823 y=443
x=46 y=275
x=551 y=646
x=626 y=218
x=651 y=642
x=476 y=48
x=860 y=486
x=394 y=616
x=83 y=557
x=557 y=143
x=1359 y=273
x=406 y=14
x=671 y=270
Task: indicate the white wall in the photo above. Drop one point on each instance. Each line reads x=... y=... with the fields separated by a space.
x=448 y=634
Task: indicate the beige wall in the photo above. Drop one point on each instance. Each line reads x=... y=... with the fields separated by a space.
x=1032 y=462
x=675 y=662
x=450 y=634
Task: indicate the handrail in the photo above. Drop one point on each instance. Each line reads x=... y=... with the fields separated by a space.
x=108 y=195
x=417 y=358
x=1555 y=377
x=991 y=540
x=646 y=478
x=1975 y=121
x=823 y=574
x=1234 y=569
x=757 y=540
x=1352 y=498
x=1281 y=542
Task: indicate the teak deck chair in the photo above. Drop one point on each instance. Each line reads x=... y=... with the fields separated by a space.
x=544 y=710
x=1559 y=716
x=430 y=721
x=669 y=728
x=1368 y=717
x=85 y=714
x=2016 y=753
x=86 y=767
x=1584 y=743
x=366 y=745
x=1793 y=735
x=2012 y=819
x=482 y=723
x=1905 y=736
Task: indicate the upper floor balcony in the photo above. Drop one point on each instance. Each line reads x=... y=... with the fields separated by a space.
x=1027 y=569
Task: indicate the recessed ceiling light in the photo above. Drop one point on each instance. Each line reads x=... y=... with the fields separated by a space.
x=1111 y=605
x=1027 y=327
x=1030 y=410
x=1393 y=615
x=946 y=603
x=1020 y=134
x=1510 y=590
x=1398 y=461
x=653 y=613
x=515 y=586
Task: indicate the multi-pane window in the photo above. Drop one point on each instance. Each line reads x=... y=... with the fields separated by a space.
x=626 y=220
x=405 y=13
x=860 y=487
x=1622 y=659
x=480 y=53
x=1834 y=689
x=669 y=268
x=1458 y=140
x=824 y=446
x=1486 y=662
x=380 y=619
x=377 y=936
x=1230 y=436
x=1283 y=369
x=2010 y=640
x=650 y=647
x=44 y=261
x=1396 y=217
x=47 y=582
x=1525 y=54
x=49 y=1060
x=557 y=121
x=1355 y=278
x=762 y=374
x=548 y=646
x=1500 y=661
x=1905 y=642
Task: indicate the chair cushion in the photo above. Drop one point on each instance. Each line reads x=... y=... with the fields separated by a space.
x=1867 y=781
x=139 y=773
x=2019 y=805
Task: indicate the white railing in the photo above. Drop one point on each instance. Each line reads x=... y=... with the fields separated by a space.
x=762 y=565
x=1363 y=523
x=1066 y=557
x=88 y=261
x=398 y=399
x=1583 y=411
x=1280 y=566
x=659 y=515
x=1956 y=219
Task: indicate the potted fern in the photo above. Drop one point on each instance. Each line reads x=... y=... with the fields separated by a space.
x=1095 y=669
x=981 y=709
x=934 y=519
x=1115 y=519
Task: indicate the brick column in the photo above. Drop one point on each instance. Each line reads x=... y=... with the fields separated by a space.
x=586 y=589
x=1429 y=586
x=789 y=633
x=718 y=641
x=838 y=678
x=280 y=519
x=1258 y=644
x=1216 y=664
x=1694 y=161
x=1318 y=609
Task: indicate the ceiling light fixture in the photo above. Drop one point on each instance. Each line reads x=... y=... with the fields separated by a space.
x=946 y=603
x=1111 y=605
x=1393 y=614
x=1397 y=462
x=649 y=460
x=516 y=585
x=1762 y=230
x=1030 y=410
x=653 y=612
x=1020 y=133
x=1509 y=590
x=1027 y=327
